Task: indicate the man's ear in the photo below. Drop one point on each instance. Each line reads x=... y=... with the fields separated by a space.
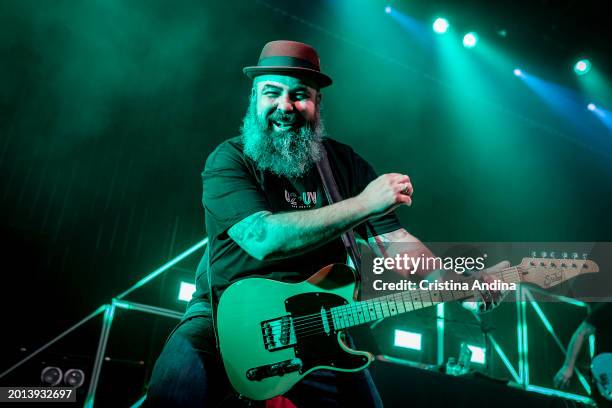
x=319 y=96
x=253 y=91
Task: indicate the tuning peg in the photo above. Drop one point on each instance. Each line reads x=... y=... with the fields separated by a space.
x=544 y=254
x=552 y=254
x=584 y=256
x=574 y=255
x=533 y=254
x=564 y=255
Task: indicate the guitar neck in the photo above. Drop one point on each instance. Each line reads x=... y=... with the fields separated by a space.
x=366 y=311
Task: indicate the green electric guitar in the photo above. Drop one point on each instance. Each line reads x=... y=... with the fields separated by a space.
x=272 y=334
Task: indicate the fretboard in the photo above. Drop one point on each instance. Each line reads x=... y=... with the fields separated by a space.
x=365 y=311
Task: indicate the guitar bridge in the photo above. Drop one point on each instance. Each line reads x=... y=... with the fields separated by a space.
x=278 y=333
x=274 y=370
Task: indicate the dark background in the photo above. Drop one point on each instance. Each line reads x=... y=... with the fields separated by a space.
x=108 y=110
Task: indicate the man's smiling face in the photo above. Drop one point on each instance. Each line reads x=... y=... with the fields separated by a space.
x=282 y=128
x=285 y=102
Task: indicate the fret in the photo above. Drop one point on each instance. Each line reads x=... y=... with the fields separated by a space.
x=335 y=318
x=349 y=315
x=354 y=315
x=364 y=311
x=395 y=310
x=416 y=300
x=342 y=317
x=407 y=302
x=368 y=308
x=379 y=312
x=372 y=310
x=385 y=308
x=360 y=313
x=400 y=304
x=426 y=295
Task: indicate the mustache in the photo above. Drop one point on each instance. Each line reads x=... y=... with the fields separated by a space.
x=284 y=117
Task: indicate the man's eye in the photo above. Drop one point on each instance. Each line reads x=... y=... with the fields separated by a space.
x=301 y=96
x=271 y=94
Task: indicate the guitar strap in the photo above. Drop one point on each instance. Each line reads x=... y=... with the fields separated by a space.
x=333 y=196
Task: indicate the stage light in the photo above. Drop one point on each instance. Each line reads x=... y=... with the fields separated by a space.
x=51 y=376
x=440 y=25
x=407 y=339
x=388 y=9
x=470 y=40
x=186 y=291
x=74 y=378
x=591 y=107
x=582 y=67
x=478 y=354
x=518 y=72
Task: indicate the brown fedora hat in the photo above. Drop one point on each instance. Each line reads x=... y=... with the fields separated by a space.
x=290 y=58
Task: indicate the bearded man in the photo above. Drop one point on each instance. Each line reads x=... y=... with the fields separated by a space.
x=267 y=215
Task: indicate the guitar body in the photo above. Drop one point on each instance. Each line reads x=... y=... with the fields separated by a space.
x=601 y=367
x=272 y=334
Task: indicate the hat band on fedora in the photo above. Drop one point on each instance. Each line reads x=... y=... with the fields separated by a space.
x=284 y=61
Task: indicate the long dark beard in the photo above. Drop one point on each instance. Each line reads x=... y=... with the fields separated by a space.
x=288 y=153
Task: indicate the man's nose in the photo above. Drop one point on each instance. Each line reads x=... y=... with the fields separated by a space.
x=285 y=103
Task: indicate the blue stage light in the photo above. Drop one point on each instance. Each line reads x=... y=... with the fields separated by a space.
x=591 y=107
x=518 y=72
x=388 y=9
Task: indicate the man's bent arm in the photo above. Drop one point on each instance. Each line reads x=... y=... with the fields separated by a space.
x=583 y=331
x=264 y=235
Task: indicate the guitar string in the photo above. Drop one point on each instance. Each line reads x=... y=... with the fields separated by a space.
x=419 y=297
x=317 y=328
x=306 y=321
x=351 y=307
x=351 y=317
x=314 y=320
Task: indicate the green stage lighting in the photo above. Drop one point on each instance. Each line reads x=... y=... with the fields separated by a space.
x=407 y=339
x=186 y=291
x=478 y=354
x=470 y=40
x=440 y=25
x=582 y=67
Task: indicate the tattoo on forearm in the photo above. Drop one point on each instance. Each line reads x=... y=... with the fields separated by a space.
x=251 y=228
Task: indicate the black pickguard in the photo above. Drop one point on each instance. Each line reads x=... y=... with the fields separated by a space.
x=314 y=346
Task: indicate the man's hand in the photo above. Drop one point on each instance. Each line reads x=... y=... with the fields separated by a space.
x=563 y=376
x=489 y=299
x=386 y=193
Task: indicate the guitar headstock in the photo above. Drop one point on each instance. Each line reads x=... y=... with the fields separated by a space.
x=549 y=272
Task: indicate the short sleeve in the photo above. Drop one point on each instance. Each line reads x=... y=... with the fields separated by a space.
x=364 y=174
x=230 y=190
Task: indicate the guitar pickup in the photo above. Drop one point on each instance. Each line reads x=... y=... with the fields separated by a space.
x=274 y=370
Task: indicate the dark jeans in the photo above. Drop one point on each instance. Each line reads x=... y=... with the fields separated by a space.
x=189 y=373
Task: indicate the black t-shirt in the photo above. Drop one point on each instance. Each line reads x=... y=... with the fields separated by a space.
x=601 y=318
x=233 y=189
